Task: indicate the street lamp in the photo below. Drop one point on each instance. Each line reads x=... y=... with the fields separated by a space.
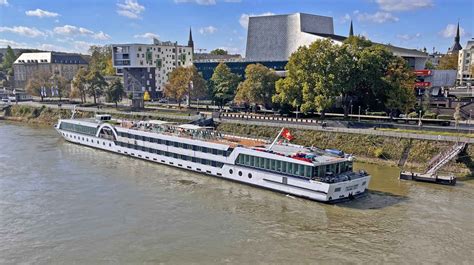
x=469 y=121
x=191 y=87
x=351 y=111
x=419 y=119
x=359 y=113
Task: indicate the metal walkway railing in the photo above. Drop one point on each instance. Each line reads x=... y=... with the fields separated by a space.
x=444 y=158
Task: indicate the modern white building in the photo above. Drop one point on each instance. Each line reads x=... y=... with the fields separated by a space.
x=145 y=67
x=276 y=37
x=466 y=64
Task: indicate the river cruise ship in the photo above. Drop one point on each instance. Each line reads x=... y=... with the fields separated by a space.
x=280 y=166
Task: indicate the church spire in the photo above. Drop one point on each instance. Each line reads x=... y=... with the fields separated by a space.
x=457 y=38
x=351 y=30
x=190 y=41
x=457 y=45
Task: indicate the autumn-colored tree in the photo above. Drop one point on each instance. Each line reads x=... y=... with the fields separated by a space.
x=79 y=85
x=448 y=62
x=258 y=87
x=185 y=81
x=223 y=84
x=39 y=81
x=101 y=60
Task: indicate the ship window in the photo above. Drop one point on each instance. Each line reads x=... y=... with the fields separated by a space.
x=272 y=164
x=250 y=175
x=231 y=171
x=278 y=165
x=337 y=189
x=240 y=173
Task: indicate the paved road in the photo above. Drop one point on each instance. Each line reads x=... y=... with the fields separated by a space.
x=350 y=130
x=280 y=124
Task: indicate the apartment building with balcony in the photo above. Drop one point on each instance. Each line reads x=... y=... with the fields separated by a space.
x=145 y=67
x=466 y=64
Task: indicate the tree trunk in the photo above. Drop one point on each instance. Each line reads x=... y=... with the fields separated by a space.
x=116 y=104
x=95 y=99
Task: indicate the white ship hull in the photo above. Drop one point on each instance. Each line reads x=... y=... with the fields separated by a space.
x=311 y=189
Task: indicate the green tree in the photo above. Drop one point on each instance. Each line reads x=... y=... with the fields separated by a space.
x=115 y=92
x=448 y=62
x=258 y=87
x=400 y=85
x=8 y=60
x=223 y=84
x=311 y=77
x=38 y=81
x=95 y=84
x=219 y=52
x=429 y=65
x=179 y=84
x=79 y=84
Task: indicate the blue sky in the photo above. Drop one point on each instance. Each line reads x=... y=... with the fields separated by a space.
x=73 y=25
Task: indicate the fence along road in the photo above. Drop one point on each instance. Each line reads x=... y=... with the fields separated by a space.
x=292 y=123
x=267 y=121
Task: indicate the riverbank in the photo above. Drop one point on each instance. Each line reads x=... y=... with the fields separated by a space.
x=367 y=148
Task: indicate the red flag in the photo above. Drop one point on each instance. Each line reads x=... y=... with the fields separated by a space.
x=287 y=135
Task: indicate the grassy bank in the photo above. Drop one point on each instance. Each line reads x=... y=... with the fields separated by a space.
x=368 y=148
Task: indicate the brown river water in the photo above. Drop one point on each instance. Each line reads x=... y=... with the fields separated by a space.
x=62 y=203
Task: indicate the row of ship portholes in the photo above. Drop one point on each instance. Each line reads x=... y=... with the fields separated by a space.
x=240 y=173
x=86 y=139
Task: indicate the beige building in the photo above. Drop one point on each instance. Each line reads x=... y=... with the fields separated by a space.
x=466 y=64
x=62 y=64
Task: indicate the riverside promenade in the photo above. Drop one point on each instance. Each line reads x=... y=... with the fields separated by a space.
x=296 y=124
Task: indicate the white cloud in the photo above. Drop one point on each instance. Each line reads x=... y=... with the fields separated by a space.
x=101 y=36
x=40 y=13
x=244 y=18
x=408 y=36
x=73 y=31
x=377 y=17
x=13 y=44
x=207 y=30
x=82 y=46
x=130 y=8
x=403 y=5
x=69 y=30
x=24 y=31
x=346 y=18
x=147 y=35
x=3 y=2
x=450 y=31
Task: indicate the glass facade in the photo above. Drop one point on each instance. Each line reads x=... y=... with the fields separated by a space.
x=78 y=128
x=279 y=166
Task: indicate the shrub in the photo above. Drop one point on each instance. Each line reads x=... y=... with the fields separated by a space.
x=413 y=115
x=378 y=152
x=429 y=115
x=445 y=117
